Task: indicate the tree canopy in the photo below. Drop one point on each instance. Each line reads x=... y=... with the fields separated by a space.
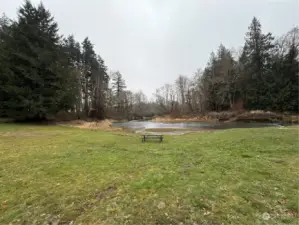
x=43 y=72
x=263 y=75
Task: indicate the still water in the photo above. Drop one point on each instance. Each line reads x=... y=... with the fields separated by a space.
x=143 y=125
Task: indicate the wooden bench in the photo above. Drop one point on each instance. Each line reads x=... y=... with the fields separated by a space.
x=152 y=137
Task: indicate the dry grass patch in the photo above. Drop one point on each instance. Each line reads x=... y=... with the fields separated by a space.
x=105 y=125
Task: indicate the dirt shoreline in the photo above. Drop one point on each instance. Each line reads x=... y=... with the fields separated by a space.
x=250 y=116
x=105 y=125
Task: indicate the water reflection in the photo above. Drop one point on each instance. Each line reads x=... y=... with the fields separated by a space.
x=143 y=125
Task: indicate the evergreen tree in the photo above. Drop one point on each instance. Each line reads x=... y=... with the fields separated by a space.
x=291 y=71
x=100 y=88
x=219 y=79
x=118 y=87
x=5 y=72
x=257 y=64
x=118 y=83
x=208 y=83
x=224 y=79
x=88 y=63
x=35 y=83
x=72 y=50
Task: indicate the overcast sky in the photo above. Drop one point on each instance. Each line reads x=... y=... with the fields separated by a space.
x=151 y=42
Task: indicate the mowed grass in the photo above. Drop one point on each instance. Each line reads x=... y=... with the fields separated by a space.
x=60 y=175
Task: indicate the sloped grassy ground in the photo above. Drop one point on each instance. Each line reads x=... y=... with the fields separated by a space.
x=72 y=176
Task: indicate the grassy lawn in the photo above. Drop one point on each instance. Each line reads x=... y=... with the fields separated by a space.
x=60 y=174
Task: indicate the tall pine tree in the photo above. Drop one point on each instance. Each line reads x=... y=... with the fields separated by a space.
x=5 y=72
x=35 y=84
x=257 y=66
x=290 y=80
x=118 y=86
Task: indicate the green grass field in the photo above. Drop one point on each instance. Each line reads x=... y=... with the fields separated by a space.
x=73 y=176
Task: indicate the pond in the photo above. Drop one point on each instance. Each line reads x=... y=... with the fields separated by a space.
x=185 y=127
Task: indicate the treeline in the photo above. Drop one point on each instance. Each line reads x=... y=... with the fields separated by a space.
x=123 y=103
x=262 y=75
x=43 y=73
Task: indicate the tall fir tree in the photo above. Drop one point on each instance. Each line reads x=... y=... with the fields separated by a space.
x=290 y=80
x=88 y=63
x=118 y=87
x=35 y=85
x=118 y=83
x=100 y=88
x=257 y=64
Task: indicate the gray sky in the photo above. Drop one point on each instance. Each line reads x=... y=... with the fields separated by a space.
x=151 y=42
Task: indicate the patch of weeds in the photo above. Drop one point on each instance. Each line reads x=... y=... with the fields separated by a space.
x=246 y=156
x=279 y=161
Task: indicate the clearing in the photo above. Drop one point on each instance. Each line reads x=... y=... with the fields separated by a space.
x=64 y=175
